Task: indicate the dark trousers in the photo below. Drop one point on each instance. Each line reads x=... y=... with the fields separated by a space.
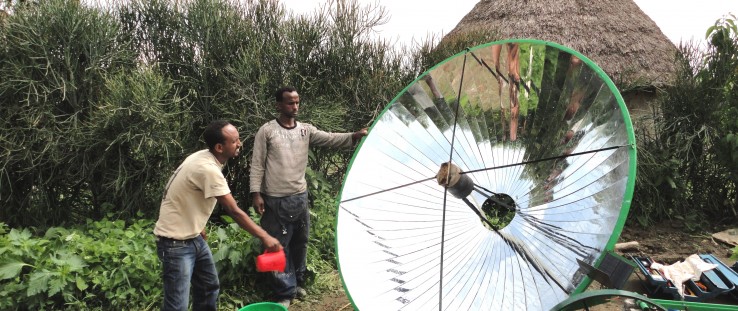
x=287 y=219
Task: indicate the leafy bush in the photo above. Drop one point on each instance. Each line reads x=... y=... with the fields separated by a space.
x=100 y=103
x=111 y=263
x=687 y=162
x=98 y=265
x=54 y=61
x=107 y=263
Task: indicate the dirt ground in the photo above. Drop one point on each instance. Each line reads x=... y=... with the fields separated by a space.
x=667 y=243
x=335 y=301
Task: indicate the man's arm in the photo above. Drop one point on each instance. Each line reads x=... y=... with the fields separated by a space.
x=256 y=173
x=334 y=140
x=243 y=220
x=258 y=202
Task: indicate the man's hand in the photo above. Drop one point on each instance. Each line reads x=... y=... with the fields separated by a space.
x=359 y=134
x=258 y=203
x=204 y=235
x=271 y=244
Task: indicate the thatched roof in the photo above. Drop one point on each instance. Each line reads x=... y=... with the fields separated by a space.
x=615 y=34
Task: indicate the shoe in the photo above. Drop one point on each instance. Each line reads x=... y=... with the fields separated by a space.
x=284 y=302
x=300 y=292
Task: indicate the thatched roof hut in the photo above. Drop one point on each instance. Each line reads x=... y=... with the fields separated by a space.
x=615 y=34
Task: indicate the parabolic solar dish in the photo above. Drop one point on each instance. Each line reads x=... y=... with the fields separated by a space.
x=542 y=170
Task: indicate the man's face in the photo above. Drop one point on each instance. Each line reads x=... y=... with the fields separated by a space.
x=289 y=105
x=232 y=143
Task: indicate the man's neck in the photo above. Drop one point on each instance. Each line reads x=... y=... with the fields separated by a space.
x=221 y=160
x=287 y=121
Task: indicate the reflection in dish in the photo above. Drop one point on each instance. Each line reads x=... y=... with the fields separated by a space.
x=540 y=131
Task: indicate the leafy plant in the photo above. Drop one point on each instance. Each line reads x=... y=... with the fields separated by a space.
x=101 y=264
x=686 y=161
x=125 y=97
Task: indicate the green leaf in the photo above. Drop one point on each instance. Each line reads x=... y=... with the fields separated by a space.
x=731 y=23
x=221 y=234
x=222 y=253
x=11 y=269
x=39 y=282
x=235 y=257
x=227 y=219
x=81 y=284
x=75 y=263
x=56 y=285
x=16 y=236
x=709 y=31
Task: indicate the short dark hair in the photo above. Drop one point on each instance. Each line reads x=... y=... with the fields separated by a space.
x=213 y=134
x=281 y=90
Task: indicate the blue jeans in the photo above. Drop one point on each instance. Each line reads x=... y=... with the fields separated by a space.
x=287 y=219
x=186 y=262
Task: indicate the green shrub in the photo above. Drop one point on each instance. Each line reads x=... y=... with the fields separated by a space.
x=687 y=162
x=54 y=61
x=100 y=103
x=110 y=264
x=98 y=265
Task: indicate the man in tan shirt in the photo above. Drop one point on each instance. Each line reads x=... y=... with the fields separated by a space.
x=278 y=187
x=189 y=199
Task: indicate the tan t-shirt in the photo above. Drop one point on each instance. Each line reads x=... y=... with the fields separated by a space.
x=189 y=197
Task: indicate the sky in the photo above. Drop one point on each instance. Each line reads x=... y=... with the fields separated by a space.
x=417 y=19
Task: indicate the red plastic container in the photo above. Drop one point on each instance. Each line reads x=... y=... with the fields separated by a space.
x=271 y=262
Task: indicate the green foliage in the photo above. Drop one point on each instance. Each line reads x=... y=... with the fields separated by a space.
x=107 y=263
x=53 y=65
x=723 y=74
x=99 y=104
x=321 y=251
x=110 y=264
x=688 y=160
x=144 y=124
x=234 y=252
x=100 y=264
x=122 y=92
